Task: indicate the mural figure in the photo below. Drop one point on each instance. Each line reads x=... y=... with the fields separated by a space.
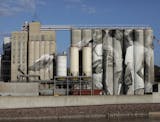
x=129 y=62
x=149 y=61
x=97 y=59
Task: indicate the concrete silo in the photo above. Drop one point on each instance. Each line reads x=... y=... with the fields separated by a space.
x=61 y=63
x=97 y=58
x=139 y=62
x=74 y=61
x=87 y=61
x=86 y=37
x=149 y=60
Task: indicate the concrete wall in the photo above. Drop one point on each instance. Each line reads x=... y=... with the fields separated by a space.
x=19 y=89
x=53 y=101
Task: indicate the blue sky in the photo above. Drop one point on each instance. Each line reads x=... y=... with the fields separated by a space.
x=13 y=13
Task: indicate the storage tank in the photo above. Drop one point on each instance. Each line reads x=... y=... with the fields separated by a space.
x=74 y=61
x=61 y=61
x=87 y=61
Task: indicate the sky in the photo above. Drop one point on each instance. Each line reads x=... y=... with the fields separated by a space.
x=13 y=13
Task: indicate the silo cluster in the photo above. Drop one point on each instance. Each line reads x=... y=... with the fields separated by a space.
x=121 y=61
x=80 y=53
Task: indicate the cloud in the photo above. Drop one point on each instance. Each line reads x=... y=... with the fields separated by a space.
x=12 y=7
x=74 y=4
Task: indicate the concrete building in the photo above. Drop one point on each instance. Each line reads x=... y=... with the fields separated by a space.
x=41 y=49
x=32 y=49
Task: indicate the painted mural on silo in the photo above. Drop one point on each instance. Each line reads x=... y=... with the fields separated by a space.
x=118 y=60
x=97 y=58
x=107 y=62
x=139 y=62
x=129 y=62
x=41 y=55
x=149 y=60
x=122 y=60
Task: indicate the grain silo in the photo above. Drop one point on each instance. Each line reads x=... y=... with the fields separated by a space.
x=87 y=61
x=139 y=62
x=107 y=62
x=42 y=48
x=74 y=61
x=129 y=61
x=61 y=63
x=76 y=37
x=118 y=59
x=149 y=60
x=86 y=36
x=97 y=58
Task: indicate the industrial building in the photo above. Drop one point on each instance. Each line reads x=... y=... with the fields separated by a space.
x=103 y=60
x=28 y=46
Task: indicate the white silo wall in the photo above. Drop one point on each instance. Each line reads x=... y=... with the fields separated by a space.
x=149 y=60
x=42 y=52
x=107 y=63
x=129 y=62
x=97 y=59
x=86 y=36
x=61 y=69
x=118 y=60
x=31 y=57
x=139 y=62
x=76 y=38
x=87 y=61
x=36 y=55
x=74 y=61
x=46 y=69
